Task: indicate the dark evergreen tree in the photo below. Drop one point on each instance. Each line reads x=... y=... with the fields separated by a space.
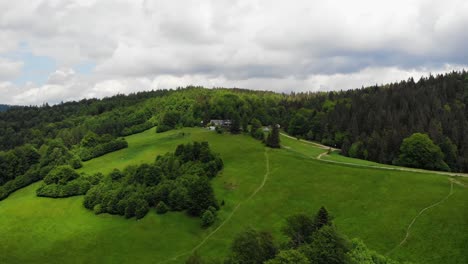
x=235 y=124
x=322 y=218
x=273 y=140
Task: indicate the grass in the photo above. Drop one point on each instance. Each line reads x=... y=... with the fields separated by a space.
x=336 y=156
x=372 y=204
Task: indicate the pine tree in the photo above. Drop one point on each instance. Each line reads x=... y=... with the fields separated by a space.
x=322 y=218
x=235 y=124
x=273 y=140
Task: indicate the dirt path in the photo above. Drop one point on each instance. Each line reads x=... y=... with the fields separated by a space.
x=419 y=214
x=309 y=142
x=319 y=157
x=265 y=178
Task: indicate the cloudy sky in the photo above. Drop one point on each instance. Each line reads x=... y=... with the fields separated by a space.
x=60 y=50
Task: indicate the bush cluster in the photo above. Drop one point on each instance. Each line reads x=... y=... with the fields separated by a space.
x=176 y=181
x=64 y=181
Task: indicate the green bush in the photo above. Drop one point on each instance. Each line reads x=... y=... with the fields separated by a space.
x=418 y=151
x=61 y=175
x=176 y=181
x=207 y=219
x=161 y=208
x=75 y=187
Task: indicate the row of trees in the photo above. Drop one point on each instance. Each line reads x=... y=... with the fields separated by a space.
x=176 y=181
x=94 y=145
x=309 y=240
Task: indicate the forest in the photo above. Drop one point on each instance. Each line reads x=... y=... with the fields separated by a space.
x=419 y=124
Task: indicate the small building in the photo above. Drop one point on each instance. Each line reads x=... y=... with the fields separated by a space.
x=220 y=122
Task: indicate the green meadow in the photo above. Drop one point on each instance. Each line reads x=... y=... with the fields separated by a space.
x=260 y=187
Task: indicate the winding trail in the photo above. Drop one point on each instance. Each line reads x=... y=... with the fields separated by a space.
x=419 y=214
x=265 y=178
x=452 y=181
x=319 y=157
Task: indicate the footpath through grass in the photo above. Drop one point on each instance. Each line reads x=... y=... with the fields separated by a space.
x=375 y=205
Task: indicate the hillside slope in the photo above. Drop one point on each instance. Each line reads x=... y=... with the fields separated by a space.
x=374 y=205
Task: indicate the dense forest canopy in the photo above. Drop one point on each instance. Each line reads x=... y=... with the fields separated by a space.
x=369 y=123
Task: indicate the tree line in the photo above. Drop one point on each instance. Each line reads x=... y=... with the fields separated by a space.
x=368 y=123
x=371 y=123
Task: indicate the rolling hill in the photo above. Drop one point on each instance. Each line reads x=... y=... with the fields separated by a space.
x=260 y=187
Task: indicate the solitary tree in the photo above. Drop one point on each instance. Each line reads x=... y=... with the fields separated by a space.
x=273 y=140
x=235 y=123
x=207 y=219
x=418 y=151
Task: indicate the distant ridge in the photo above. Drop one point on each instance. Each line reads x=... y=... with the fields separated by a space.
x=4 y=107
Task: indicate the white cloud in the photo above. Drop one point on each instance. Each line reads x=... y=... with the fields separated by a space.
x=258 y=44
x=9 y=69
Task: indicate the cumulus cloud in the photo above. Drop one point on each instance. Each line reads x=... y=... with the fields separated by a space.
x=258 y=44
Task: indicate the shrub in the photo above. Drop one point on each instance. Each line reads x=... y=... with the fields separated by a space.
x=98 y=209
x=161 y=208
x=207 y=219
x=141 y=208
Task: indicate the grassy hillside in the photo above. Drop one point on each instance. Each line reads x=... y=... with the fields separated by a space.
x=261 y=187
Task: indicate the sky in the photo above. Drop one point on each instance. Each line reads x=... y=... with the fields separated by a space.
x=62 y=50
